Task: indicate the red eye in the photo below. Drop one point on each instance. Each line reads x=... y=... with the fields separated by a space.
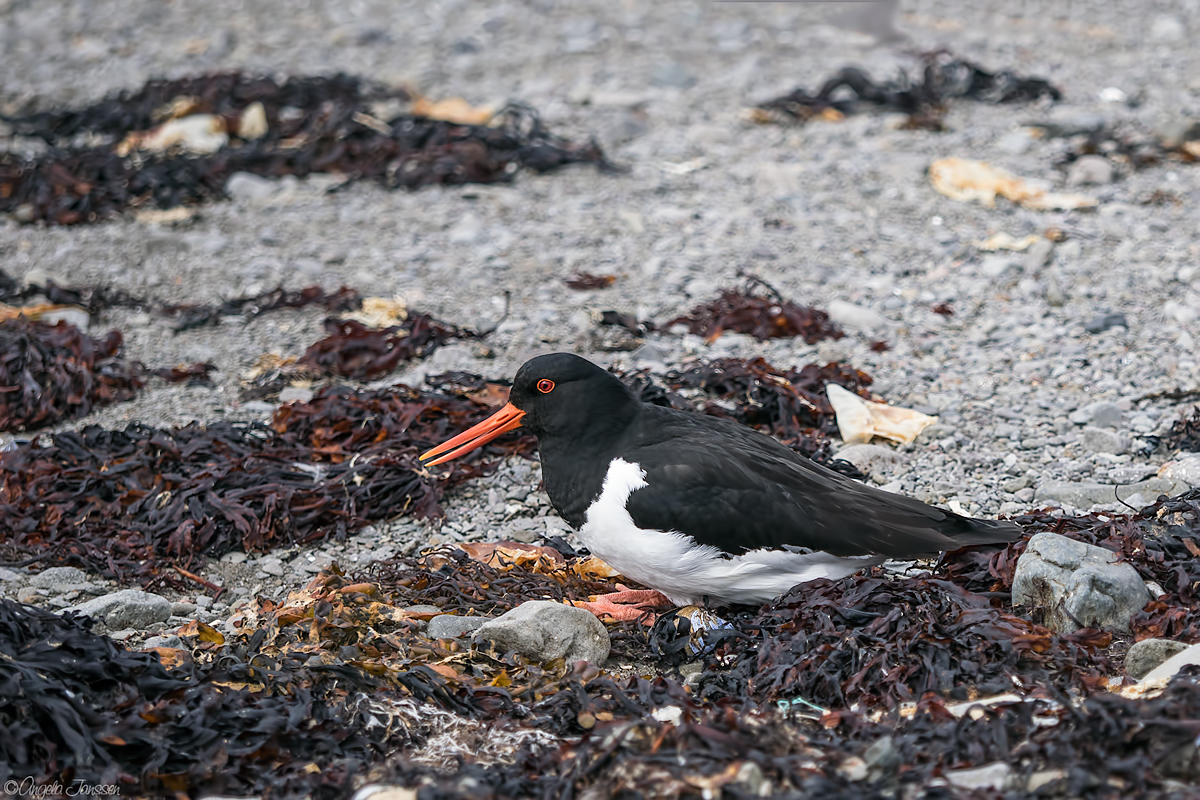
x=545 y=385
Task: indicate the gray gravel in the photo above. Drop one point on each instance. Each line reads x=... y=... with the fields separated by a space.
x=1039 y=379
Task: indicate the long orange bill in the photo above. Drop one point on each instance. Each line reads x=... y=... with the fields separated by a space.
x=502 y=421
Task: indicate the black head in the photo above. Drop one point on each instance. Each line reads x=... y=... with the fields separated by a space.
x=564 y=400
x=568 y=397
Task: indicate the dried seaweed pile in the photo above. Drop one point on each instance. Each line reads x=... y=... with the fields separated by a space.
x=354 y=350
x=1162 y=541
x=49 y=373
x=132 y=503
x=199 y=316
x=96 y=299
x=872 y=641
x=1107 y=747
x=789 y=404
x=763 y=317
x=231 y=714
x=1185 y=433
x=78 y=709
x=308 y=124
x=943 y=78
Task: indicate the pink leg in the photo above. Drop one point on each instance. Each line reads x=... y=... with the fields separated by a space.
x=627 y=604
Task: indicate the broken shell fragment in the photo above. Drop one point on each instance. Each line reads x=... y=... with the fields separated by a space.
x=969 y=180
x=253 y=122
x=1006 y=241
x=199 y=133
x=861 y=420
x=453 y=109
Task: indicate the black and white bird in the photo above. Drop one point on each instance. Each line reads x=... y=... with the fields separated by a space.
x=701 y=509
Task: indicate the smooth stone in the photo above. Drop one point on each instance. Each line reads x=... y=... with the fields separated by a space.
x=170 y=640
x=1016 y=484
x=1065 y=581
x=1145 y=656
x=55 y=575
x=1099 y=440
x=452 y=626
x=295 y=394
x=381 y=791
x=468 y=230
x=8 y=576
x=855 y=317
x=672 y=74
x=128 y=608
x=1185 y=469
x=1168 y=29
x=1090 y=170
x=989 y=776
x=1038 y=255
x=1104 y=413
x=421 y=608
x=1086 y=494
x=999 y=266
x=1168 y=669
x=1103 y=322
x=1014 y=143
x=543 y=630
x=271 y=565
x=248 y=186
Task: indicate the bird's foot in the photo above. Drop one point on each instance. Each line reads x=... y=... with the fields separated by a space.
x=627 y=604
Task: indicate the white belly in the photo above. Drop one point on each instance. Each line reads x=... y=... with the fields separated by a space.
x=688 y=572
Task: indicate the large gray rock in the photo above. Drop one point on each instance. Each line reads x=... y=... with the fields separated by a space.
x=1070 y=584
x=1148 y=654
x=543 y=630
x=128 y=608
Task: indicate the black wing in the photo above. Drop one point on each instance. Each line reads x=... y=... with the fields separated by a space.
x=738 y=490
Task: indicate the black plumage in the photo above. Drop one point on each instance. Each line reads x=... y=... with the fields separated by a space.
x=700 y=492
x=719 y=482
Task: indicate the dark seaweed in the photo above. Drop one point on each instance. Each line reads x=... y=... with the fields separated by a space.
x=943 y=78
x=315 y=124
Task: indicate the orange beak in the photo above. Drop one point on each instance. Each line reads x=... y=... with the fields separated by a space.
x=502 y=421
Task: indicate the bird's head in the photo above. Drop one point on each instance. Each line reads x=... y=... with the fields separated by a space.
x=558 y=395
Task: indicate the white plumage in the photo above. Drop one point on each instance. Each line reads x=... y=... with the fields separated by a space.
x=691 y=573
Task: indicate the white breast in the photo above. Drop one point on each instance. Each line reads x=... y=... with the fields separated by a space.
x=688 y=572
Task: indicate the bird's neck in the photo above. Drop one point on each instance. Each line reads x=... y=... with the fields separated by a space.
x=573 y=468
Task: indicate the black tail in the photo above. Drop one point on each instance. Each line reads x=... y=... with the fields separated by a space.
x=966 y=530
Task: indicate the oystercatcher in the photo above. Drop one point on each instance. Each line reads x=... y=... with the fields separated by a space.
x=701 y=509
